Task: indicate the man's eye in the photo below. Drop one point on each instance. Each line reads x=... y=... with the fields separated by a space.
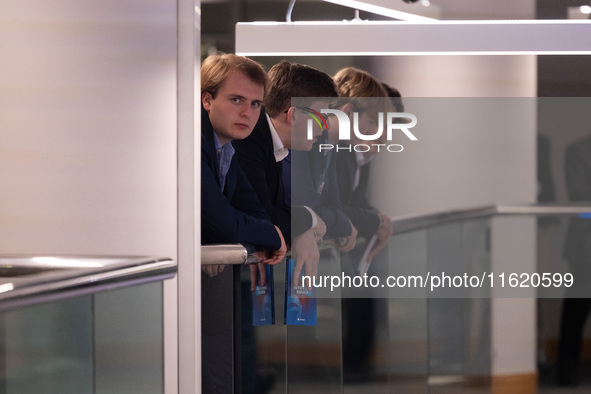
x=235 y=100
x=256 y=104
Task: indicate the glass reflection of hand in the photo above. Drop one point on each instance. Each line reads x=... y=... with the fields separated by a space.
x=304 y=249
x=346 y=244
x=383 y=235
x=258 y=268
x=319 y=229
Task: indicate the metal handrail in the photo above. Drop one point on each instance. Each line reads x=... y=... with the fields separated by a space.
x=223 y=254
x=27 y=279
x=238 y=254
x=405 y=224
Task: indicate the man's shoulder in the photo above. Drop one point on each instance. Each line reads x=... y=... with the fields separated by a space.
x=206 y=128
x=261 y=129
x=260 y=138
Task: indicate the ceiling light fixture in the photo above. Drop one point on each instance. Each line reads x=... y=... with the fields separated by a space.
x=356 y=38
x=379 y=10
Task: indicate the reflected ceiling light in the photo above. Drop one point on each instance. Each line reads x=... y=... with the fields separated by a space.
x=585 y=9
x=379 y=10
x=58 y=262
x=6 y=287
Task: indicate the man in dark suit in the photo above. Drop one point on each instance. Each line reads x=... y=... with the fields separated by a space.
x=280 y=128
x=233 y=90
x=231 y=211
x=314 y=183
x=260 y=156
x=357 y=92
x=283 y=126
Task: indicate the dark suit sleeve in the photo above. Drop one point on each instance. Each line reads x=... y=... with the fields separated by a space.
x=546 y=190
x=327 y=204
x=301 y=220
x=255 y=160
x=242 y=219
x=578 y=172
x=365 y=220
x=363 y=215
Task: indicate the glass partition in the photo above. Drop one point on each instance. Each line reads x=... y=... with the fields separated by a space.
x=109 y=342
x=299 y=358
x=48 y=348
x=510 y=273
x=402 y=346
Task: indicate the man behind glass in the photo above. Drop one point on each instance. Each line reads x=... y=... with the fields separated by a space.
x=233 y=89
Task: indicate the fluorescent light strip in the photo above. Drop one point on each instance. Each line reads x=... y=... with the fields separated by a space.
x=439 y=53
x=420 y=38
x=429 y=22
x=376 y=9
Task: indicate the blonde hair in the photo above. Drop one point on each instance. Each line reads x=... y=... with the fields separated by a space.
x=361 y=89
x=216 y=68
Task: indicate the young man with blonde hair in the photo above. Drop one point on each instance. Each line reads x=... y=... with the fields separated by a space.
x=233 y=88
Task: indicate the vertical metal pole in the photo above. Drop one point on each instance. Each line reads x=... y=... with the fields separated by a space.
x=237 y=329
x=188 y=167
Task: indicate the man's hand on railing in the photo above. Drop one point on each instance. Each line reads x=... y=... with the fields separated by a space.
x=277 y=256
x=383 y=234
x=304 y=249
x=213 y=270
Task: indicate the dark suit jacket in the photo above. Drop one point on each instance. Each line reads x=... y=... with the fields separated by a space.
x=545 y=181
x=314 y=184
x=234 y=215
x=355 y=204
x=577 y=247
x=265 y=174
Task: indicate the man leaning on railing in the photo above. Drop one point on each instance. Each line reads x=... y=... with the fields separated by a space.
x=233 y=89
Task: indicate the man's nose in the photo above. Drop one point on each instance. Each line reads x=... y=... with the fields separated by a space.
x=247 y=111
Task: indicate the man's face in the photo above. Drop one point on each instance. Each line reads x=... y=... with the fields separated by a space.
x=236 y=107
x=299 y=126
x=368 y=125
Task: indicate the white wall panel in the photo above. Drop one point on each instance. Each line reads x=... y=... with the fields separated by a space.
x=88 y=131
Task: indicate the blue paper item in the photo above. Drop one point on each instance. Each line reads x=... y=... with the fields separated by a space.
x=263 y=300
x=300 y=302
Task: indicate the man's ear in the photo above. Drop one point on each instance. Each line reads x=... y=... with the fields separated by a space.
x=290 y=115
x=348 y=109
x=206 y=98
